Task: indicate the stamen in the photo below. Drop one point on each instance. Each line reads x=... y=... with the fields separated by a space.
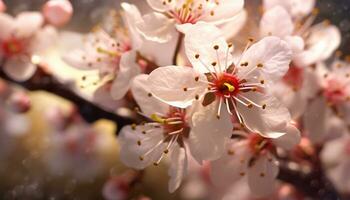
x=250 y=101
x=219 y=109
x=228 y=106
x=108 y=52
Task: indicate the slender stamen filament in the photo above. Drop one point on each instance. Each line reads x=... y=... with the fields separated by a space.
x=250 y=101
x=240 y=101
x=108 y=52
x=236 y=111
x=219 y=108
x=228 y=106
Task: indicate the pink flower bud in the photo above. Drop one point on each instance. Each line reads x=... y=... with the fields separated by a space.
x=58 y=12
x=2 y=6
x=19 y=102
x=116 y=188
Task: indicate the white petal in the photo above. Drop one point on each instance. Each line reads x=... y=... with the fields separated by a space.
x=269 y=4
x=301 y=8
x=19 y=68
x=290 y=139
x=156 y=27
x=27 y=23
x=43 y=40
x=234 y=26
x=148 y=104
x=128 y=69
x=321 y=43
x=102 y=97
x=226 y=10
x=200 y=39
x=273 y=53
x=231 y=166
x=207 y=138
x=296 y=43
x=262 y=175
x=269 y=122
x=159 y=6
x=178 y=168
x=335 y=147
x=130 y=151
x=7 y=25
x=168 y=83
x=131 y=16
x=276 y=22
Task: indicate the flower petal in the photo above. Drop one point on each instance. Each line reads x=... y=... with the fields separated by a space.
x=321 y=43
x=135 y=144
x=178 y=167
x=161 y=5
x=176 y=86
x=224 y=11
x=131 y=16
x=202 y=39
x=27 y=23
x=276 y=22
x=7 y=25
x=270 y=122
x=156 y=27
x=209 y=134
x=128 y=69
x=234 y=26
x=290 y=139
x=19 y=68
x=148 y=104
x=262 y=175
x=232 y=165
x=272 y=53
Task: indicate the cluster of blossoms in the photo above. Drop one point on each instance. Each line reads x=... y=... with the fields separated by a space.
x=234 y=110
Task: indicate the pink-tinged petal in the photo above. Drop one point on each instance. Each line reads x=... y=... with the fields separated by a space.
x=102 y=97
x=270 y=122
x=19 y=68
x=161 y=5
x=177 y=86
x=315 y=120
x=336 y=147
x=7 y=26
x=340 y=176
x=156 y=27
x=262 y=175
x=289 y=140
x=2 y=6
x=27 y=23
x=232 y=165
x=276 y=22
x=269 y=4
x=272 y=53
x=205 y=45
x=135 y=144
x=209 y=133
x=148 y=103
x=321 y=43
x=58 y=12
x=301 y=8
x=233 y=27
x=178 y=167
x=128 y=69
x=296 y=43
x=131 y=16
x=224 y=11
x=43 y=39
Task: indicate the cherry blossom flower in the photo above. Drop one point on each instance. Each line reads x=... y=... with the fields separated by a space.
x=216 y=80
x=253 y=156
x=116 y=57
x=169 y=132
x=75 y=148
x=319 y=41
x=293 y=20
x=22 y=41
x=57 y=12
x=160 y=25
x=335 y=156
x=327 y=115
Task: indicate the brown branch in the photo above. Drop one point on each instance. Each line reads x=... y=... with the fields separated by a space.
x=88 y=110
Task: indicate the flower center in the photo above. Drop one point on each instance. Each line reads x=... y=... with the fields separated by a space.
x=12 y=47
x=294 y=77
x=259 y=144
x=335 y=91
x=226 y=85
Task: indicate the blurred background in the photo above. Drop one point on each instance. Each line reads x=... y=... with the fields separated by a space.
x=29 y=158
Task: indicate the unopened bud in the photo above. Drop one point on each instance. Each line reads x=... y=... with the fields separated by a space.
x=19 y=102
x=2 y=6
x=57 y=12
